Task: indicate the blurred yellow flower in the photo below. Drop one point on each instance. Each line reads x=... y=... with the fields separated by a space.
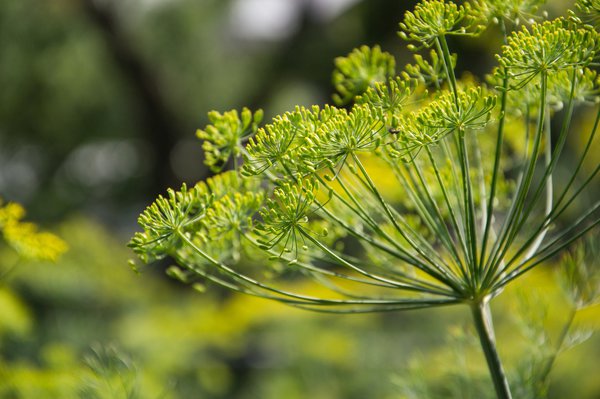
x=25 y=238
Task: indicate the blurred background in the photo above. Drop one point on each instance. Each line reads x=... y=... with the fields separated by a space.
x=101 y=98
x=99 y=103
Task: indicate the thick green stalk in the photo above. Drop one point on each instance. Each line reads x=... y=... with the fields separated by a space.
x=482 y=317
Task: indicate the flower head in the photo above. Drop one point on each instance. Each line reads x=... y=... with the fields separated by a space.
x=590 y=10
x=470 y=109
x=410 y=136
x=276 y=146
x=286 y=215
x=387 y=99
x=585 y=88
x=233 y=212
x=432 y=19
x=361 y=69
x=429 y=72
x=547 y=47
x=516 y=11
x=341 y=136
x=223 y=138
x=166 y=218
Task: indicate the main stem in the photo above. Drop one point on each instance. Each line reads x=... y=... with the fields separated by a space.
x=483 y=322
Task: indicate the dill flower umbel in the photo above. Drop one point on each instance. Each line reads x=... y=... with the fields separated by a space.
x=475 y=204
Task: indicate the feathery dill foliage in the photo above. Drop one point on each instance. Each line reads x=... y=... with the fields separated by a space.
x=465 y=205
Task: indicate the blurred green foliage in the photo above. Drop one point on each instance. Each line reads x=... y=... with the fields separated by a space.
x=99 y=97
x=90 y=327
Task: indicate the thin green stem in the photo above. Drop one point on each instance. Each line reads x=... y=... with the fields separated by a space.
x=415 y=239
x=551 y=159
x=540 y=234
x=495 y=170
x=512 y=219
x=582 y=158
x=482 y=317
x=427 y=208
x=314 y=269
x=552 y=248
x=453 y=219
x=468 y=200
x=444 y=52
x=408 y=258
x=480 y=180
x=455 y=186
x=298 y=299
x=358 y=208
x=345 y=263
x=399 y=251
x=363 y=214
x=469 y=204
x=452 y=280
x=559 y=207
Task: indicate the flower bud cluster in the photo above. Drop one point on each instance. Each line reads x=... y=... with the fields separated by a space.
x=361 y=69
x=223 y=137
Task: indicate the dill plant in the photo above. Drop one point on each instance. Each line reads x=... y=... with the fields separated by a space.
x=468 y=202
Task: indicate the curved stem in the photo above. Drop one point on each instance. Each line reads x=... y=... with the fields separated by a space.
x=482 y=317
